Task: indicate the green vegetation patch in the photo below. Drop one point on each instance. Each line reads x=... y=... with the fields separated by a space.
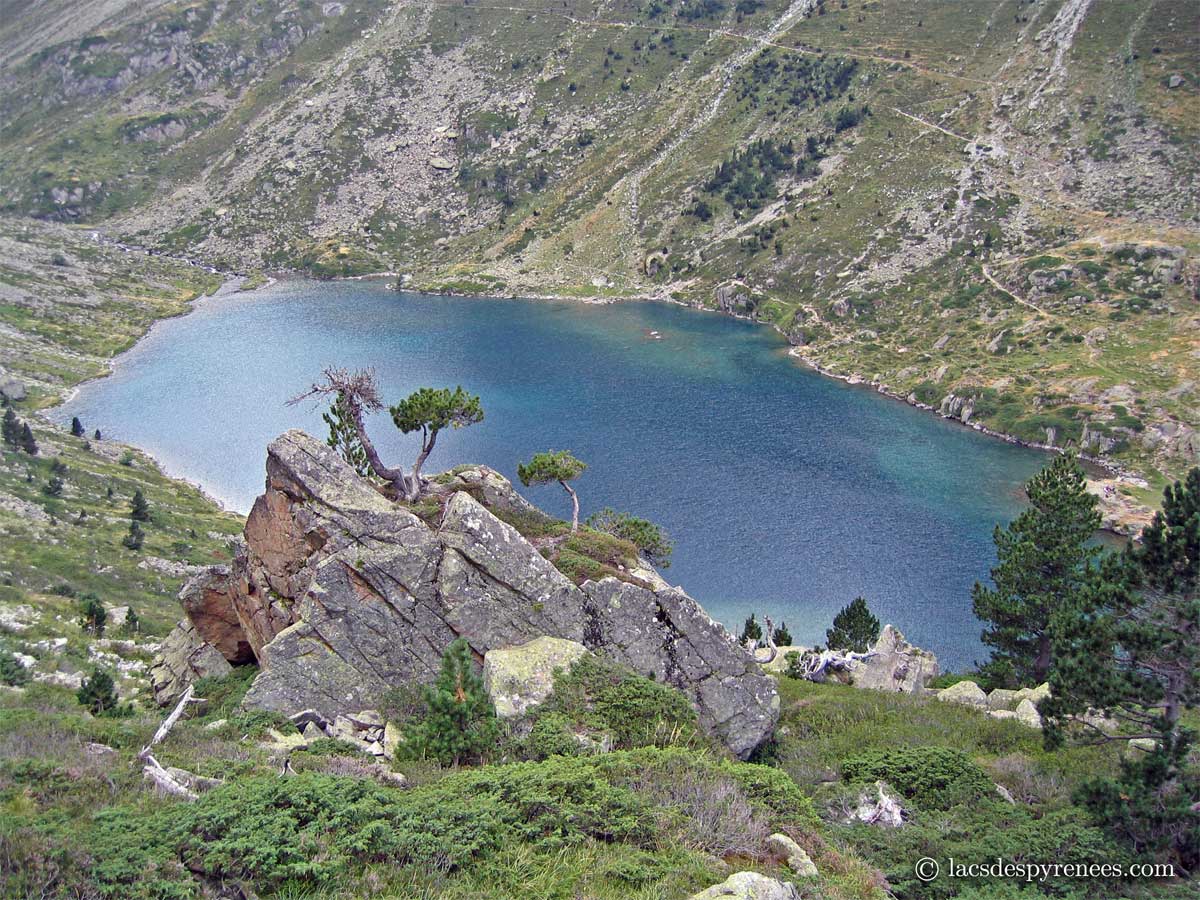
x=933 y=777
x=604 y=698
x=315 y=830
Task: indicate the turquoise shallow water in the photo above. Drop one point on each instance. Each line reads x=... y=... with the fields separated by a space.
x=787 y=492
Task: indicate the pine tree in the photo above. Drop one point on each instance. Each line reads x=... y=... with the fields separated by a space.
x=343 y=436
x=783 y=637
x=96 y=435
x=855 y=628
x=1132 y=649
x=92 y=614
x=139 y=509
x=560 y=466
x=97 y=693
x=751 y=630
x=28 y=443
x=135 y=538
x=430 y=411
x=76 y=427
x=131 y=625
x=461 y=722
x=1044 y=565
x=11 y=428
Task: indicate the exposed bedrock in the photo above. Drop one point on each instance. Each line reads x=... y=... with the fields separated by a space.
x=341 y=594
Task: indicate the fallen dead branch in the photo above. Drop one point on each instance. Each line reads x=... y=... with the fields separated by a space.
x=153 y=771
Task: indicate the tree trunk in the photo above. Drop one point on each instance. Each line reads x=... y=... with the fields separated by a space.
x=1041 y=665
x=394 y=476
x=574 y=506
x=414 y=488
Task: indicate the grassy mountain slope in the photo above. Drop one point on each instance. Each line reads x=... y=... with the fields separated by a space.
x=986 y=207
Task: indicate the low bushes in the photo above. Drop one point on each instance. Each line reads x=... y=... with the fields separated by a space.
x=600 y=697
x=978 y=833
x=311 y=830
x=932 y=777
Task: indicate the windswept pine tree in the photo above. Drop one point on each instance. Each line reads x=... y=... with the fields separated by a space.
x=139 y=509
x=27 y=441
x=560 y=466
x=11 y=428
x=429 y=411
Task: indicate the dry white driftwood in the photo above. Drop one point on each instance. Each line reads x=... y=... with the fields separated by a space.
x=152 y=770
x=772 y=650
x=814 y=666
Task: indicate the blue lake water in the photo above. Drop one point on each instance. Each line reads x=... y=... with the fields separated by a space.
x=787 y=493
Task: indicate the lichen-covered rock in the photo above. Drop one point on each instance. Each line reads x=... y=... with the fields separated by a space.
x=1027 y=714
x=1000 y=698
x=749 y=886
x=966 y=693
x=668 y=636
x=1034 y=695
x=183 y=658
x=342 y=594
x=12 y=388
x=522 y=677
x=784 y=849
x=896 y=665
x=489 y=487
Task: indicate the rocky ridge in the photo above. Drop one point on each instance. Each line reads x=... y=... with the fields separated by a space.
x=340 y=594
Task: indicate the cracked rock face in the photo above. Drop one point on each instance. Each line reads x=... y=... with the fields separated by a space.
x=342 y=594
x=185 y=657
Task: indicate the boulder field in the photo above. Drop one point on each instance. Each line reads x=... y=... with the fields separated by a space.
x=341 y=594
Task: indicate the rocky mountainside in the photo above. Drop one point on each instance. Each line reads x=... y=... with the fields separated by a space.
x=341 y=594
x=989 y=208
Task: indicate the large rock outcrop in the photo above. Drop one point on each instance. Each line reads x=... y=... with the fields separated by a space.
x=342 y=594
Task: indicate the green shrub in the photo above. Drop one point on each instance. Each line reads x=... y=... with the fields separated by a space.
x=12 y=672
x=932 y=777
x=314 y=831
x=651 y=541
x=331 y=747
x=980 y=832
x=606 y=549
x=255 y=723
x=579 y=568
x=552 y=734
x=224 y=694
x=97 y=692
x=600 y=696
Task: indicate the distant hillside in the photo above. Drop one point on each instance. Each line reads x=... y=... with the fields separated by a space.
x=990 y=208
